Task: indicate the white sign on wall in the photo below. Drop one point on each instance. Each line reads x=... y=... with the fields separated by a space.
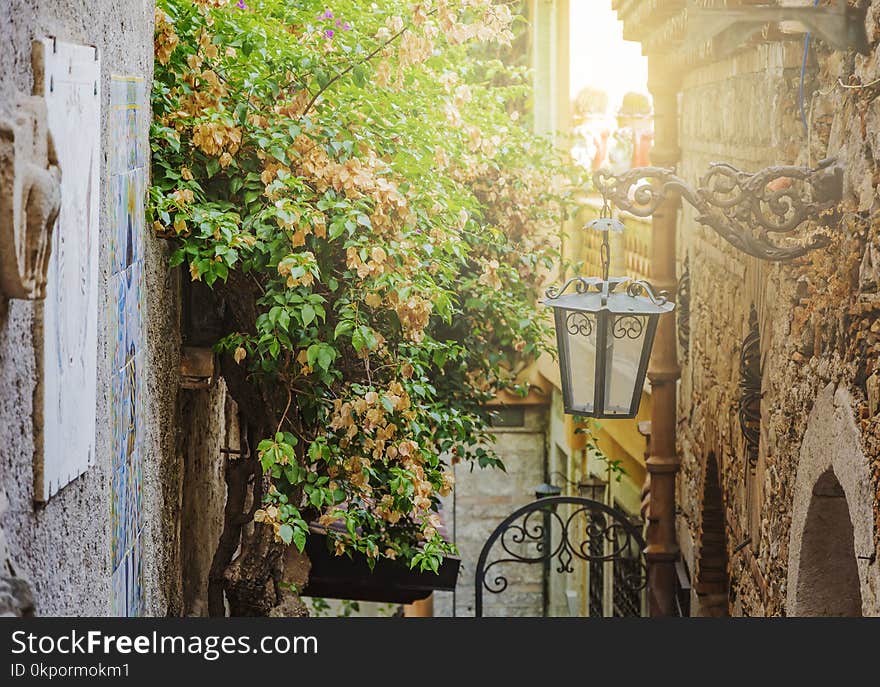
x=68 y=329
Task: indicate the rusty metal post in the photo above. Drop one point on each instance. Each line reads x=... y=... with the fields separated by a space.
x=662 y=546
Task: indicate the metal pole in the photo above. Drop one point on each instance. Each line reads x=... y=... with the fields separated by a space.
x=662 y=547
x=608 y=565
x=545 y=581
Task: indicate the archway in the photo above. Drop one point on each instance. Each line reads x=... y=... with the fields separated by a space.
x=711 y=584
x=828 y=578
x=832 y=569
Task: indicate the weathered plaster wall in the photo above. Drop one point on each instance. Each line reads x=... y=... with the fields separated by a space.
x=818 y=319
x=63 y=548
x=209 y=418
x=480 y=501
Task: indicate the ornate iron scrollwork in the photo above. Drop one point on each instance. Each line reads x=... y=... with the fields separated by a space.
x=589 y=531
x=578 y=323
x=749 y=405
x=749 y=211
x=628 y=326
x=633 y=287
x=683 y=309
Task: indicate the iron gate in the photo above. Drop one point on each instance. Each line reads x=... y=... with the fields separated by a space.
x=560 y=533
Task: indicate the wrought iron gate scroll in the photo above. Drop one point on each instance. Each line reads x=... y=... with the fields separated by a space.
x=559 y=531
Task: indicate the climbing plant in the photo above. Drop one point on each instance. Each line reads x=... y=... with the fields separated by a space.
x=355 y=184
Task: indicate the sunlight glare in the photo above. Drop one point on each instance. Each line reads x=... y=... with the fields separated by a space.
x=600 y=57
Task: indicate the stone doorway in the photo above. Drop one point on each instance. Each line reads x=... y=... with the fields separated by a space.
x=828 y=576
x=712 y=584
x=832 y=562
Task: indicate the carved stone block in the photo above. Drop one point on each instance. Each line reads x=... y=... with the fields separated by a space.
x=30 y=199
x=16 y=598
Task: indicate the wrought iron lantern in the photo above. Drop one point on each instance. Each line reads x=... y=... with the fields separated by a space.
x=604 y=331
x=593 y=488
x=546 y=489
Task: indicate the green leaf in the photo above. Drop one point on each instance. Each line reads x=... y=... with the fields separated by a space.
x=299 y=539
x=251 y=196
x=359 y=76
x=325 y=357
x=293 y=474
x=268 y=459
x=344 y=327
x=308 y=314
x=279 y=154
x=286 y=533
x=363 y=339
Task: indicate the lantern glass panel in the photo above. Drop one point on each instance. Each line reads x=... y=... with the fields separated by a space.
x=576 y=333
x=625 y=350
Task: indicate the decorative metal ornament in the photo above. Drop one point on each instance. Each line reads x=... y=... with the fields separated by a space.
x=749 y=404
x=560 y=533
x=604 y=331
x=749 y=211
x=683 y=309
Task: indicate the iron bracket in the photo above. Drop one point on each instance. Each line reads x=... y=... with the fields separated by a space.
x=753 y=212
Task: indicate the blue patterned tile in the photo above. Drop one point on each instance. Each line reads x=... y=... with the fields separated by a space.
x=132 y=278
x=128 y=161
x=136 y=206
x=117 y=591
x=137 y=606
x=117 y=320
x=117 y=535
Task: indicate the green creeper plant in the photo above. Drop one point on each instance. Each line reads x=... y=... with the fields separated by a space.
x=356 y=187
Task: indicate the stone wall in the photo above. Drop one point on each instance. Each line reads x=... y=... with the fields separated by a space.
x=817 y=318
x=210 y=435
x=63 y=547
x=480 y=501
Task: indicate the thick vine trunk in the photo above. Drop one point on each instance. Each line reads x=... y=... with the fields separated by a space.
x=248 y=564
x=250 y=580
x=238 y=471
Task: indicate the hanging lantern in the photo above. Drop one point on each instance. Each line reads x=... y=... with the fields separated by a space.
x=604 y=333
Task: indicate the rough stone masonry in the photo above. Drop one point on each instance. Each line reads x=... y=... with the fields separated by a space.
x=819 y=333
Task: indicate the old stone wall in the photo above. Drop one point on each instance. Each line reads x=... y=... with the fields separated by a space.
x=817 y=318
x=210 y=436
x=480 y=501
x=63 y=548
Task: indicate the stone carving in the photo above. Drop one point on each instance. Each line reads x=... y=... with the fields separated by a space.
x=30 y=199
x=16 y=599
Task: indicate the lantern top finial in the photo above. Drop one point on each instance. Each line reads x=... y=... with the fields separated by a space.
x=606 y=224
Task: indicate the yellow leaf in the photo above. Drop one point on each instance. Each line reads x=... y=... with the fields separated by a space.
x=240 y=354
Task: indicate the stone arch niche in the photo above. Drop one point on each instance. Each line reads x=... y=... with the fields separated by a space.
x=712 y=586
x=831 y=567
